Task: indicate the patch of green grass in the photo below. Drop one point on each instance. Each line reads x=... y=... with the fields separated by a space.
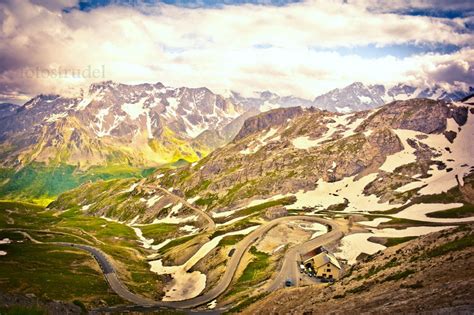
x=24 y=215
x=195 y=190
x=239 y=225
x=40 y=183
x=399 y=275
x=159 y=231
x=52 y=272
x=206 y=201
x=461 y=212
x=255 y=272
x=100 y=228
x=376 y=269
x=230 y=240
x=258 y=208
x=400 y=222
x=392 y=241
x=456 y=245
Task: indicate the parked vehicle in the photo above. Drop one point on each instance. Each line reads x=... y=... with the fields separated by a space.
x=288 y=283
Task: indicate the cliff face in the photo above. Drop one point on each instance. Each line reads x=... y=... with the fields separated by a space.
x=431 y=274
x=268 y=119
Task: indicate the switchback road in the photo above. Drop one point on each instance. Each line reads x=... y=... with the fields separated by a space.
x=289 y=267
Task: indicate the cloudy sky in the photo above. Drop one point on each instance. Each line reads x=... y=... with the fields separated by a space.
x=303 y=48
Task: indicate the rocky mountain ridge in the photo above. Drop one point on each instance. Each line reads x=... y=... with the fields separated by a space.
x=161 y=123
x=352 y=98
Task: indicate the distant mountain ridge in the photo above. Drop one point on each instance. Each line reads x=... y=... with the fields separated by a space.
x=352 y=98
x=111 y=130
x=91 y=129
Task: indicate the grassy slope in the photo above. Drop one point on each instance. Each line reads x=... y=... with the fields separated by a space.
x=39 y=183
x=461 y=212
x=56 y=263
x=255 y=272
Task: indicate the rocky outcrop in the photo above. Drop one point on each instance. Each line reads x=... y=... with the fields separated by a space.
x=424 y=115
x=7 y=109
x=275 y=117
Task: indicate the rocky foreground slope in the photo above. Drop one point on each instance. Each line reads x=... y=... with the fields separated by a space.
x=429 y=275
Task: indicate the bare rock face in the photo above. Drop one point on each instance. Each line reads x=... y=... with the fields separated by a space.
x=459 y=114
x=427 y=116
x=268 y=119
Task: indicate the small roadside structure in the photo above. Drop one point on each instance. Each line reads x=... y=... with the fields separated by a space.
x=324 y=264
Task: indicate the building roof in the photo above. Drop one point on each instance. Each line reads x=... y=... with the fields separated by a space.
x=324 y=258
x=313 y=253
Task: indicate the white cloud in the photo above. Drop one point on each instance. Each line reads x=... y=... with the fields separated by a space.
x=216 y=47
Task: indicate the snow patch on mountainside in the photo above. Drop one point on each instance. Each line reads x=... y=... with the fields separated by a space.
x=406 y=156
x=327 y=194
x=418 y=212
x=135 y=110
x=354 y=244
x=55 y=117
x=456 y=156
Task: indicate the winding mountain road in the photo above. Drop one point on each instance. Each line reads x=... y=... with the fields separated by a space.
x=289 y=267
x=211 y=225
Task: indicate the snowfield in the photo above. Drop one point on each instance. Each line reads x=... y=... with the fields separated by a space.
x=151 y=202
x=418 y=212
x=327 y=194
x=458 y=158
x=354 y=244
x=403 y=157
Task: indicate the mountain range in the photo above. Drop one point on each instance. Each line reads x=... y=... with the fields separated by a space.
x=54 y=143
x=314 y=159
x=354 y=97
x=134 y=127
